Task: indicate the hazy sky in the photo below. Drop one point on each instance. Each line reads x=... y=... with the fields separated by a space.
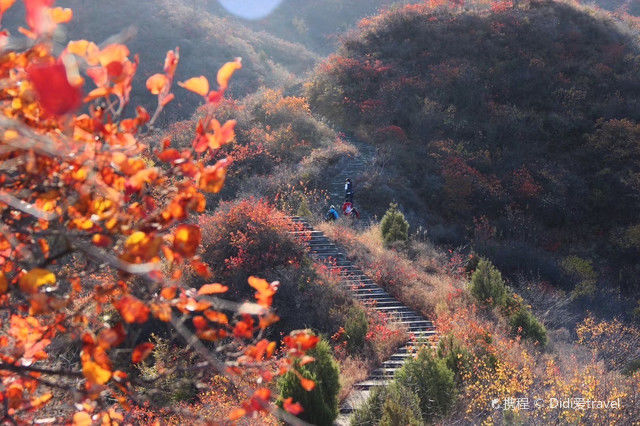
x=250 y=9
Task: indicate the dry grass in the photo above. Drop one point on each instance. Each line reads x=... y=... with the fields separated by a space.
x=419 y=282
x=352 y=370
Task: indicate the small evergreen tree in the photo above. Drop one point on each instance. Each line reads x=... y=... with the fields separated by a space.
x=456 y=357
x=432 y=381
x=487 y=284
x=524 y=324
x=394 y=226
x=320 y=404
x=393 y=405
x=356 y=327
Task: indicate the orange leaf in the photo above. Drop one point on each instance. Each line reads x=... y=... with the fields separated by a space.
x=226 y=71
x=215 y=316
x=97 y=93
x=169 y=293
x=5 y=5
x=157 y=83
x=237 y=413
x=36 y=278
x=82 y=418
x=307 y=384
x=141 y=352
x=113 y=53
x=162 y=311
x=200 y=323
x=186 y=240
x=213 y=177
x=4 y=284
x=41 y=400
x=95 y=373
x=293 y=408
x=61 y=15
x=214 y=288
x=132 y=309
x=199 y=85
x=201 y=268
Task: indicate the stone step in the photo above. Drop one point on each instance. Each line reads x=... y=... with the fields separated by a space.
x=368 y=384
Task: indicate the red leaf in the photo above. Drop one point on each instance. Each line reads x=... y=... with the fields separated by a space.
x=141 y=352
x=293 y=408
x=132 y=309
x=56 y=94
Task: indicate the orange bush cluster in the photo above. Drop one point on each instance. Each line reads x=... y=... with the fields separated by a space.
x=84 y=185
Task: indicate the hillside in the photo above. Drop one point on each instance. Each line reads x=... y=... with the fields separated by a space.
x=319 y=24
x=516 y=129
x=206 y=42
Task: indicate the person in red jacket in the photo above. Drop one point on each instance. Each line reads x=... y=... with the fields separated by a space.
x=349 y=210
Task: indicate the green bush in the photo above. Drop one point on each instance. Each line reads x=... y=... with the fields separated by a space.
x=321 y=403
x=394 y=226
x=487 y=284
x=356 y=327
x=170 y=370
x=524 y=324
x=632 y=367
x=432 y=381
x=455 y=356
x=584 y=274
x=394 y=405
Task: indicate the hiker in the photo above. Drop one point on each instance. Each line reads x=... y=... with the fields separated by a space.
x=332 y=214
x=348 y=191
x=349 y=210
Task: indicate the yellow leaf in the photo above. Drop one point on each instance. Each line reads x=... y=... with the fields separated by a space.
x=226 y=71
x=199 y=85
x=157 y=83
x=61 y=15
x=94 y=373
x=36 y=278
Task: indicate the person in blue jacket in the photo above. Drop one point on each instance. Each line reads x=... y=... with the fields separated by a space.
x=332 y=214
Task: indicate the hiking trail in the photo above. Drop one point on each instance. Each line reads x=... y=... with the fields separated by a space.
x=365 y=290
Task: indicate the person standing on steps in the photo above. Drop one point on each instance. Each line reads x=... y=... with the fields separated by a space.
x=332 y=214
x=348 y=191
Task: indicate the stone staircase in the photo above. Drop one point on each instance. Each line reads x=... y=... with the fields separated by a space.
x=365 y=290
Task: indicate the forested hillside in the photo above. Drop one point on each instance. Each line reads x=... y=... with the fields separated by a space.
x=517 y=127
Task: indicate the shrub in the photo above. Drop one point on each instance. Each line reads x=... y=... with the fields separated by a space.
x=526 y=325
x=455 y=356
x=632 y=367
x=487 y=284
x=582 y=271
x=432 y=381
x=394 y=226
x=392 y=405
x=246 y=238
x=356 y=327
x=171 y=373
x=321 y=403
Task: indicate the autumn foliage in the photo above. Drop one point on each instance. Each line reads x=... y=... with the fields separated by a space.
x=97 y=227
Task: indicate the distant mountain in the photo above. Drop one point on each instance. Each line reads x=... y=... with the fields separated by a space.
x=206 y=42
x=517 y=128
x=317 y=24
